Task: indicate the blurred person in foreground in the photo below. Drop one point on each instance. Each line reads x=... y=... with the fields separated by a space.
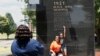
x=24 y=45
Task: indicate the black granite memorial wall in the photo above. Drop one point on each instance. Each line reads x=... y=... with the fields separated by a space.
x=77 y=16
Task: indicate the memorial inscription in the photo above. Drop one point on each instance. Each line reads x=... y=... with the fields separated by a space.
x=60 y=9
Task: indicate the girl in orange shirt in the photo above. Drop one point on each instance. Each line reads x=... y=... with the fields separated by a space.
x=55 y=47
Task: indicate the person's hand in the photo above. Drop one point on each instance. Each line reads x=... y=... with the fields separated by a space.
x=65 y=54
x=60 y=54
x=53 y=54
x=64 y=30
x=64 y=27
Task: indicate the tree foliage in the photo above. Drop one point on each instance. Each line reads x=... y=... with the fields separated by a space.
x=97 y=20
x=30 y=13
x=97 y=13
x=11 y=25
x=7 y=24
x=3 y=23
x=31 y=16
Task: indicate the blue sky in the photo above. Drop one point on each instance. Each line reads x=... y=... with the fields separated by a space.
x=15 y=8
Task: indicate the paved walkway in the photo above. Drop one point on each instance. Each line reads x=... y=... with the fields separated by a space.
x=97 y=52
x=5 y=47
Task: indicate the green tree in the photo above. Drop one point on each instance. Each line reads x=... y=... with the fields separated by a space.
x=30 y=13
x=3 y=23
x=11 y=22
x=26 y=1
x=11 y=26
x=97 y=19
x=31 y=16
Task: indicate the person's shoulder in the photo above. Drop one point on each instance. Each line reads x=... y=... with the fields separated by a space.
x=53 y=42
x=14 y=41
x=35 y=43
x=32 y=41
x=14 y=45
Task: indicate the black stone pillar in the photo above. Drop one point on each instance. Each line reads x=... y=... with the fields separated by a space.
x=41 y=22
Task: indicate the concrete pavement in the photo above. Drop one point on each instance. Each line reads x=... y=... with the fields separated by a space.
x=97 y=52
x=5 y=47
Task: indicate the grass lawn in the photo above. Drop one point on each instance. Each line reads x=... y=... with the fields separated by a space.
x=4 y=36
x=11 y=36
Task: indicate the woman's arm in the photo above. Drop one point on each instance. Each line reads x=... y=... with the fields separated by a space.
x=52 y=52
x=64 y=31
x=51 y=48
